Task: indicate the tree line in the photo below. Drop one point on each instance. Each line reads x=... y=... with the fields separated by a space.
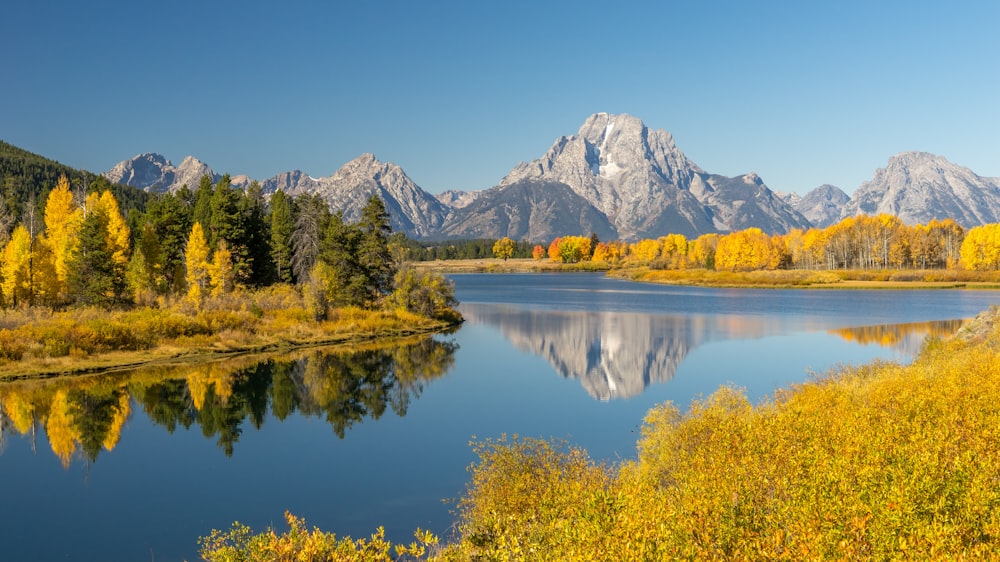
x=862 y=242
x=79 y=248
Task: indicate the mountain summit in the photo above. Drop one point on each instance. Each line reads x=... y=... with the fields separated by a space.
x=152 y=172
x=919 y=187
x=413 y=210
x=646 y=187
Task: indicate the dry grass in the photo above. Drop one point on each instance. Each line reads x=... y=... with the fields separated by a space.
x=37 y=343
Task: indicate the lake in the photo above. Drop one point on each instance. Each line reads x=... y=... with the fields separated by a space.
x=138 y=465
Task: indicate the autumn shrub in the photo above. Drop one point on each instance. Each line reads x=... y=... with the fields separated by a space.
x=427 y=293
x=12 y=347
x=302 y=544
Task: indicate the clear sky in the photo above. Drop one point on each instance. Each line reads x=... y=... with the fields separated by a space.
x=458 y=92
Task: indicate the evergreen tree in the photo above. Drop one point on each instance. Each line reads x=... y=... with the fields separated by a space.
x=374 y=257
x=343 y=277
x=311 y=220
x=170 y=218
x=282 y=226
x=227 y=223
x=95 y=277
x=201 y=210
x=258 y=237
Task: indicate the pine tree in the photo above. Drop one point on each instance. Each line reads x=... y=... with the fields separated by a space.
x=282 y=227
x=169 y=217
x=95 y=276
x=257 y=238
x=311 y=220
x=374 y=258
x=343 y=278
x=202 y=208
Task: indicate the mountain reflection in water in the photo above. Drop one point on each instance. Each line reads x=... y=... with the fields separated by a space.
x=81 y=416
x=619 y=354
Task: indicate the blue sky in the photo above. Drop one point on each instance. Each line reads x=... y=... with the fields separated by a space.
x=459 y=92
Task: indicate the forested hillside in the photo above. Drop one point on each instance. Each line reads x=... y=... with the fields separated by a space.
x=27 y=178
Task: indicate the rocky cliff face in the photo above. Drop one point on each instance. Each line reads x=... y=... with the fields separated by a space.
x=154 y=173
x=823 y=206
x=919 y=187
x=528 y=210
x=647 y=187
x=413 y=210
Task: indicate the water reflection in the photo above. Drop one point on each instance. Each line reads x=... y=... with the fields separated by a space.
x=906 y=338
x=619 y=354
x=83 y=416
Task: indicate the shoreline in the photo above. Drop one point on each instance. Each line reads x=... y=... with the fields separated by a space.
x=763 y=279
x=176 y=354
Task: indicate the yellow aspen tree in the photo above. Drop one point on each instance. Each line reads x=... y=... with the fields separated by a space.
x=45 y=285
x=122 y=411
x=221 y=271
x=16 y=283
x=20 y=409
x=981 y=248
x=814 y=247
x=118 y=234
x=60 y=429
x=600 y=253
x=702 y=250
x=504 y=248
x=645 y=250
x=63 y=219
x=196 y=259
x=674 y=250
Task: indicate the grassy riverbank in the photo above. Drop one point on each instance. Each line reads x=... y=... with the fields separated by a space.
x=817 y=279
x=880 y=462
x=782 y=278
x=38 y=342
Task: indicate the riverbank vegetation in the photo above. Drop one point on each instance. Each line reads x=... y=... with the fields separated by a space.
x=216 y=268
x=861 y=251
x=881 y=461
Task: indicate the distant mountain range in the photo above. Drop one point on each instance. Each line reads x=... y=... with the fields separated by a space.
x=619 y=179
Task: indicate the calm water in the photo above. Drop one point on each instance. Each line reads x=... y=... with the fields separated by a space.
x=136 y=466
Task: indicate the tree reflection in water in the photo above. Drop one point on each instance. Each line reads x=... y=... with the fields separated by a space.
x=83 y=415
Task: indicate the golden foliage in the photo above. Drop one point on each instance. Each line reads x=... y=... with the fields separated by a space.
x=198 y=265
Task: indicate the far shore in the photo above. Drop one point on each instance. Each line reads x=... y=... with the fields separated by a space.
x=778 y=279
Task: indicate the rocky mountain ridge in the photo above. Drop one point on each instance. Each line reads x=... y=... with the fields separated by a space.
x=617 y=178
x=919 y=187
